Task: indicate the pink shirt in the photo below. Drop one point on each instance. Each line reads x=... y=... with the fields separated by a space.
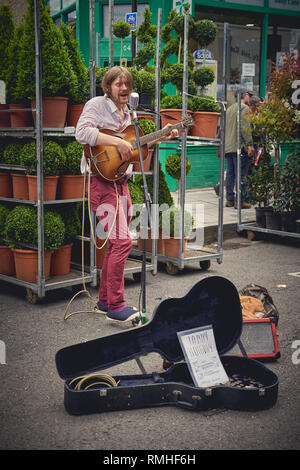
x=99 y=113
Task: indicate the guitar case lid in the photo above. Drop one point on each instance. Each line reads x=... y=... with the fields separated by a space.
x=211 y=301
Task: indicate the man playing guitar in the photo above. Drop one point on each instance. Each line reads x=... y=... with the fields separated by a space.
x=111 y=112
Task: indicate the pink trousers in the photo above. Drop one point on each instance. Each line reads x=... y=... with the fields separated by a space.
x=103 y=200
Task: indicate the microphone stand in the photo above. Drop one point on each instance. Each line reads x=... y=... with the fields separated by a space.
x=146 y=205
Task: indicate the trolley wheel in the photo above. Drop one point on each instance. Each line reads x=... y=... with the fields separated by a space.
x=250 y=235
x=205 y=265
x=137 y=276
x=171 y=268
x=31 y=296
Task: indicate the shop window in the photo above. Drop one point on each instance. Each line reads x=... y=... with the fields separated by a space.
x=119 y=14
x=67 y=3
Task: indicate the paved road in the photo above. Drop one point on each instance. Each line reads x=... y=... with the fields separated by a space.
x=31 y=394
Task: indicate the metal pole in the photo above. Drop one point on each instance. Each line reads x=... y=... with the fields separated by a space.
x=183 y=137
x=39 y=151
x=238 y=189
x=111 y=36
x=155 y=211
x=133 y=37
x=92 y=49
x=223 y=133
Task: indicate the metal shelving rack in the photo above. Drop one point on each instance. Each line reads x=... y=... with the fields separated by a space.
x=251 y=227
x=39 y=289
x=203 y=256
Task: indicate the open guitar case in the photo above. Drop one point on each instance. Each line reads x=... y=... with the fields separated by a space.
x=211 y=301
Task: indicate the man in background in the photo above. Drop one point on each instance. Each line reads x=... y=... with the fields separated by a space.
x=247 y=149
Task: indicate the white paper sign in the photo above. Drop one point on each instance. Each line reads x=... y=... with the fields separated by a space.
x=248 y=70
x=202 y=357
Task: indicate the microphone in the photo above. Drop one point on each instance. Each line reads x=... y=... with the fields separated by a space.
x=134 y=100
x=133 y=103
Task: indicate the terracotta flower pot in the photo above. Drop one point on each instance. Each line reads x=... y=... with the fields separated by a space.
x=4 y=117
x=20 y=186
x=74 y=112
x=100 y=254
x=26 y=262
x=19 y=118
x=172 y=246
x=61 y=260
x=5 y=185
x=147 y=162
x=7 y=262
x=176 y=114
x=160 y=244
x=71 y=186
x=50 y=186
x=54 y=111
x=205 y=124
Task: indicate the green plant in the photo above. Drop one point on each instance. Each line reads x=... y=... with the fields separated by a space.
x=147 y=82
x=73 y=153
x=164 y=195
x=6 y=34
x=11 y=153
x=203 y=77
x=204 y=32
x=147 y=125
x=145 y=34
x=287 y=189
x=99 y=73
x=121 y=30
x=12 y=66
x=54 y=158
x=174 y=102
x=173 y=166
x=22 y=228
x=137 y=199
x=58 y=78
x=82 y=91
x=170 y=222
x=204 y=103
x=4 y=211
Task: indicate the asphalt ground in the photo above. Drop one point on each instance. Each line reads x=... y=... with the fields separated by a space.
x=32 y=411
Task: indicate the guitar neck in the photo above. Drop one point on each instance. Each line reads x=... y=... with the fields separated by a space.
x=158 y=134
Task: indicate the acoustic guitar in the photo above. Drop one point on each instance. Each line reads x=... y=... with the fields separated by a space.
x=108 y=164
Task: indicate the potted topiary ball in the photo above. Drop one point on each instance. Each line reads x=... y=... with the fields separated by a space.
x=173 y=168
x=22 y=234
x=72 y=181
x=7 y=263
x=53 y=163
x=11 y=156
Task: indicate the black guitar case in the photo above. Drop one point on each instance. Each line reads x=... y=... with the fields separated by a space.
x=212 y=301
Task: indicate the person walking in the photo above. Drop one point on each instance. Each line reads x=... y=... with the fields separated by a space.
x=110 y=200
x=247 y=149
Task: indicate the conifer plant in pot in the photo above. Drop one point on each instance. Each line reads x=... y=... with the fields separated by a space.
x=81 y=93
x=72 y=181
x=6 y=33
x=22 y=235
x=53 y=162
x=7 y=263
